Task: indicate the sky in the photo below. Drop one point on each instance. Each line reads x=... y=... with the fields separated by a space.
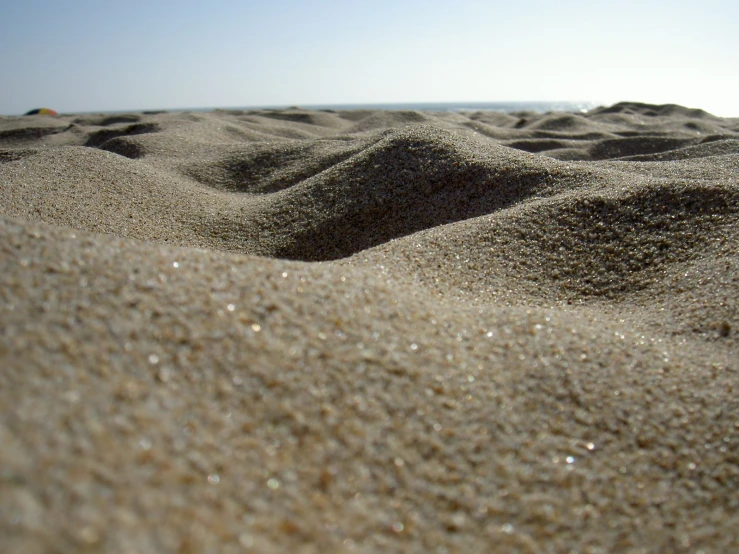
x=104 y=55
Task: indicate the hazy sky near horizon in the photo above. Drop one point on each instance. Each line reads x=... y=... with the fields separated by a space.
x=89 y=55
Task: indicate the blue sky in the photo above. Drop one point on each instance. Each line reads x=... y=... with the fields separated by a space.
x=80 y=55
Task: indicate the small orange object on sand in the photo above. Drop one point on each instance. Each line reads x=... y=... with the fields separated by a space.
x=41 y=111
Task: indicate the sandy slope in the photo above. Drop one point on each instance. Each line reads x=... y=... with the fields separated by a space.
x=370 y=331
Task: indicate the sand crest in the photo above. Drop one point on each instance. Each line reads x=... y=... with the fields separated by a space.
x=304 y=331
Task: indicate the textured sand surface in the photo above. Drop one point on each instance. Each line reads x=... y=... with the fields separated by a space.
x=367 y=331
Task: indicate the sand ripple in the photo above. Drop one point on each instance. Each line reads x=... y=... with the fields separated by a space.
x=289 y=330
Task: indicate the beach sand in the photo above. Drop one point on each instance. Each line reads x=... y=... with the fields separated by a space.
x=370 y=331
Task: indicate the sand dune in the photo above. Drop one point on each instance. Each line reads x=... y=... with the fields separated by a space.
x=330 y=331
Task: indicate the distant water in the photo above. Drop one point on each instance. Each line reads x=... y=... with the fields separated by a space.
x=507 y=107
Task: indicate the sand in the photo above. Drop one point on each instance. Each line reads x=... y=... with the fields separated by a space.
x=368 y=331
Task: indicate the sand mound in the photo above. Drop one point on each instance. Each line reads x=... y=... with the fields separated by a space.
x=569 y=123
x=709 y=147
x=266 y=167
x=299 y=331
x=633 y=146
x=655 y=110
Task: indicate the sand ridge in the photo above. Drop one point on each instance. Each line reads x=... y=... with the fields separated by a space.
x=290 y=330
